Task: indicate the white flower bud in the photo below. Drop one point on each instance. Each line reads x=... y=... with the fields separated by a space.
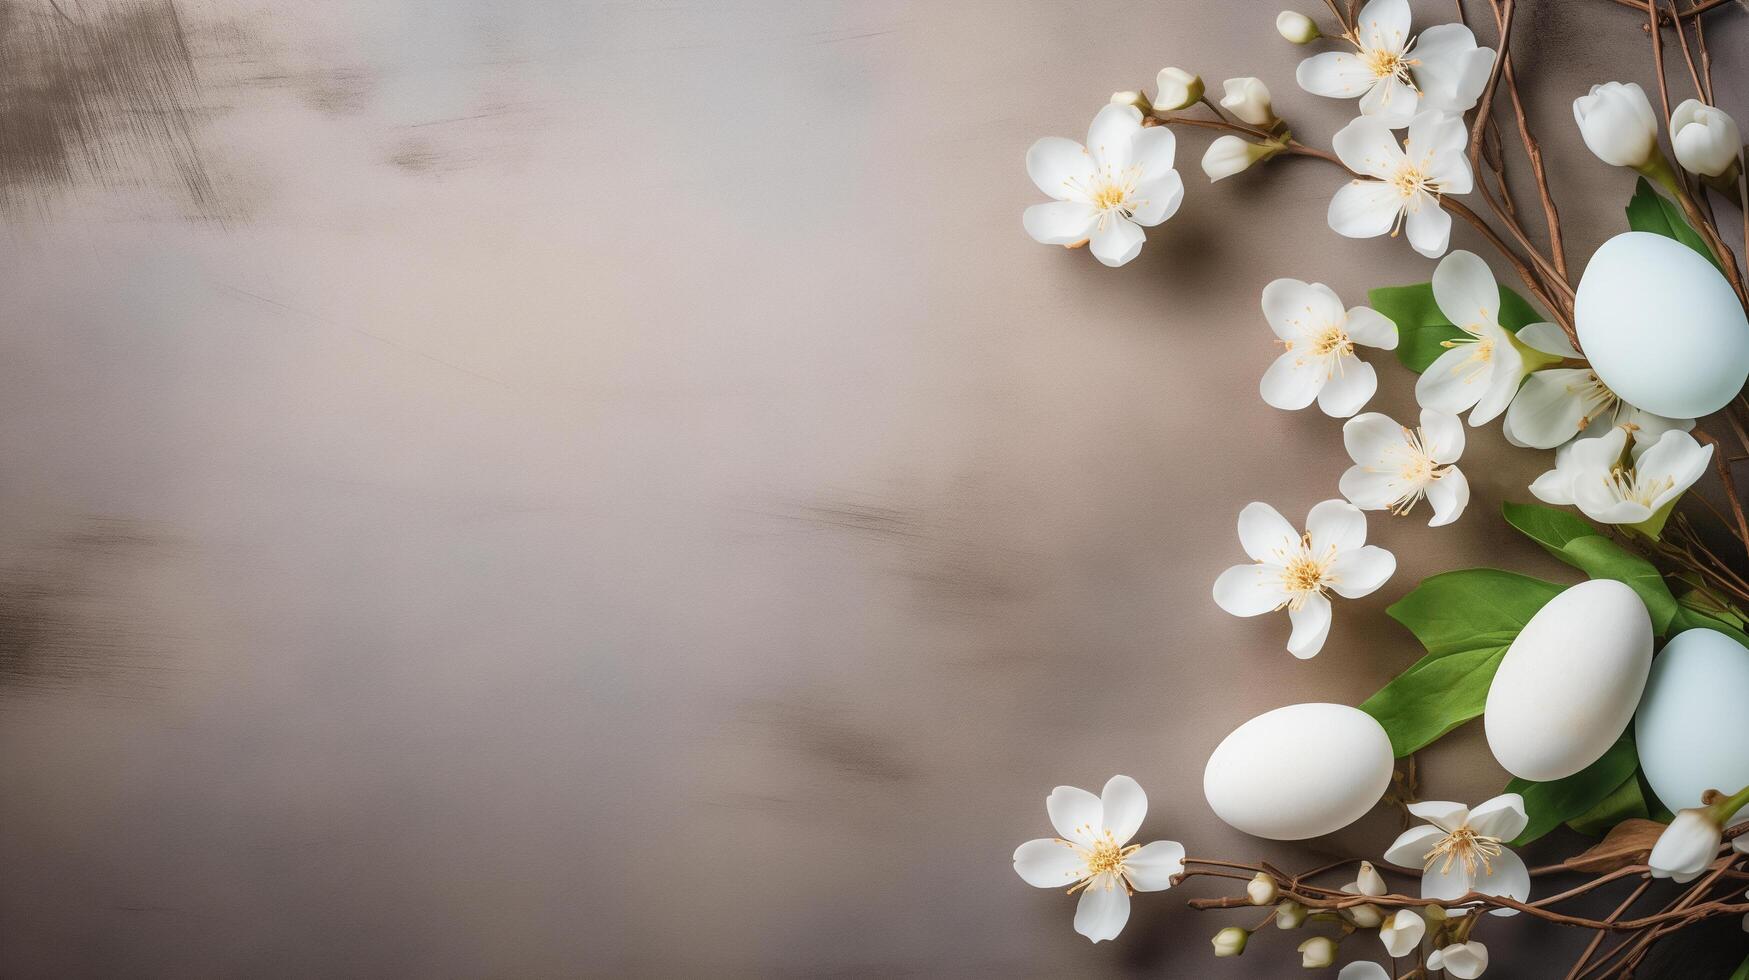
x=1618 y=124
x=1402 y=933
x=1369 y=881
x=1290 y=915
x=1229 y=155
x=1466 y=961
x=1176 y=89
x=1687 y=846
x=1365 y=916
x=1706 y=140
x=1317 y=952
x=1230 y=941
x=1136 y=99
x=1261 y=890
x=1248 y=99
x=1296 y=27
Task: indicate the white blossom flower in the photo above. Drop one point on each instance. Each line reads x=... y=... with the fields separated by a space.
x=1175 y=88
x=1395 y=466
x=1094 y=855
x=1402 y=933
x=1463 y=850
x=1363 y=970
x=1687 y=846
x=1466 y=961
x=1706 y=139
x=1248 y=99
x=1296 y=27
x=1618 y=124
x=1367 y=882
x=1107 y=192
x=1481 y=370
x=1293 y=571
x=1591 y=475
x=1558 y=404
x=1405 y=181
x=1320 y=337
x=1395 y=76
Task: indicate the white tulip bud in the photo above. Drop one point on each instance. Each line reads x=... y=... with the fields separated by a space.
x=1317 y=952
x=1618 y=124
x=1230 y=941
x=1466 y=961
x=1706 y=140
x=1296 y=27
x=1402 y=933
x=1290 y=915
x=1687 y=846
x=1136 y=99
x=1248 y=99
x=1176 y=89
x=1261 y=890
x=1229 y=155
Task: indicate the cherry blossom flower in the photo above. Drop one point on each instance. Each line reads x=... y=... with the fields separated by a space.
x=1462 y=850
x=1294 y=571
x=1106 y=192
x=1396 y=76
x=1481 y=370
x=1320 y=336
x=1093 y=854
x=1400 y=186
x=1395 y=466
x=1592 y=475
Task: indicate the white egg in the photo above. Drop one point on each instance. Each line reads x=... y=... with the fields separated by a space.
x=1693 y=727
x=1299 y=771
x=1661 y=326
x=1569 y=683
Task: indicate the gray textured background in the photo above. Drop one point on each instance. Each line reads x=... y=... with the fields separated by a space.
x=534 y=489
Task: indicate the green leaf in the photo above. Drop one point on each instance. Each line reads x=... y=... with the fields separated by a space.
x=1742 y=972
x=1689 y=619
x=1625 y=802
x=1422 y=328
x=1555 y=802
x=1651 y=211
x=1577 y=543
x=1466 y=620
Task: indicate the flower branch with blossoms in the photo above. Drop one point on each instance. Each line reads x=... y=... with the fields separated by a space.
x=1602 y=699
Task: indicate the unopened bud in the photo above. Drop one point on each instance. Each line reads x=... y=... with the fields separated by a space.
x=1317 y=952
x=1365 y=916
x=1296 y=27
x=1136 y=99
x=1290 y=915
x=1248 y=99
x=1262 y=890
x=1176 y=89
x=1230 y=941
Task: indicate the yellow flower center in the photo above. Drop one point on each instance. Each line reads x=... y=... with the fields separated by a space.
x=1464 y=846
x=1626 y=484
x=1332 y=340
x=1384 y=63
x=1106 y=858
x=1305 y=574
x=1410 y=180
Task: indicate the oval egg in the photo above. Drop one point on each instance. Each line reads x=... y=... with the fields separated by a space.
x=1570 y=681
x=1299 y=771
x=1692 y=730
x=1661 y=326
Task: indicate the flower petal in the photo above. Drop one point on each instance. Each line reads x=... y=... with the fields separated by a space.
x=1370 y=328
x=1363 y=970
x=1370 y=489
x=1335 y=525
x=1411 y=847
x=1449 y=495
x=1311 y=627
x=1103 y=909
x=1549 y=408
x=1349 y=387
x=1675 y=457
x=1442 y=435
x=1391 y=101
x=1384 y=24
x=1505 y=876
x=1112 y=133
x=1077 y=814
x=1548 y=338
x=1360 y=572
x=1364 y=209
x=1055 y=163
x=1445 y=882
x=1152 y=149
x=1298 y=309
x=1502 y=817
x=1504 y=375
x=1444 y=814
x=1553 y=486
x=1465 y=290
x=1335 y=75
x=1451 y=70
x=1059 y=222
x=1265 y=534
x=1159 y=197
x=1453 y=381
x=1428 y=226
x=1125 y=805
x=1367 y=146
x=1373 y=439
x=1402 y=932
x=1250 y=590
x=1117 y=241
x=1151 y=868
x=1049 y=863
x=1293 y=380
